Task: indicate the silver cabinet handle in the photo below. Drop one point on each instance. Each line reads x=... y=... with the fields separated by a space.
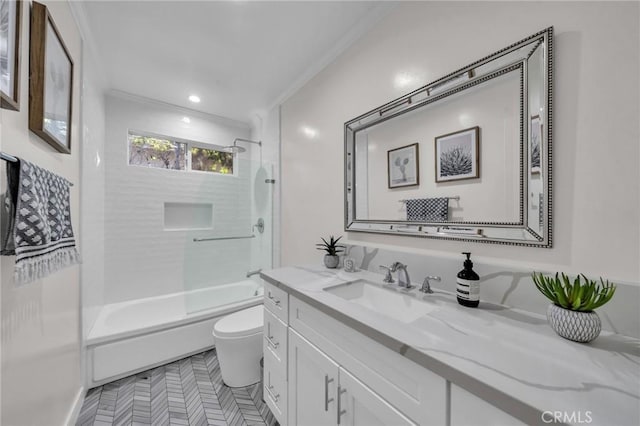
x=327 y=400
x=269 y=337
x=274 y=397
x=273 y=344
x=340 y=410
x=273 y=299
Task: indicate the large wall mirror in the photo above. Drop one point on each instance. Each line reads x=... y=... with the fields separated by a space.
x=467 y=157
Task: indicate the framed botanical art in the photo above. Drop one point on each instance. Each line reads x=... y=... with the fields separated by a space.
x=10 y=14
x=457 y=155
x=51 y=82
x=536 y=138
x=403 y=166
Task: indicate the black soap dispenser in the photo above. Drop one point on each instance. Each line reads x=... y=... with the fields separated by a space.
x=468 y=287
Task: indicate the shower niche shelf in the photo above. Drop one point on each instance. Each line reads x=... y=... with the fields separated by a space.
x=188 y=216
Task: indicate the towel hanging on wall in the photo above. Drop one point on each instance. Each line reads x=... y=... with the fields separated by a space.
x=38 y=230
x=428 y=209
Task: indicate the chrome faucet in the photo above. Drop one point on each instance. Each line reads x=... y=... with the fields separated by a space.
x=426 y=285
x=388 y=278
x=403 y=276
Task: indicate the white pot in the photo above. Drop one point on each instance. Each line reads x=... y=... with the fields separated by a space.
x=573 y=325
x=331 y=261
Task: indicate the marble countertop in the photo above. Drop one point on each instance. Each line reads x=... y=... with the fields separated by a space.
x=508 y=357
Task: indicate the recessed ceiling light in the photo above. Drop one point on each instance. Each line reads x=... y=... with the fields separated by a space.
x=194 y=98
x=186 y=120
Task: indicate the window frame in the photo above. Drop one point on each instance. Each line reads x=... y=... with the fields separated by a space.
x=211 y=147
x=188 y=145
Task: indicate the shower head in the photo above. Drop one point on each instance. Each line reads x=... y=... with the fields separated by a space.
x=235 y=149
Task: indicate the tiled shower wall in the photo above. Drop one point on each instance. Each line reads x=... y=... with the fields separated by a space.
x=142 y=259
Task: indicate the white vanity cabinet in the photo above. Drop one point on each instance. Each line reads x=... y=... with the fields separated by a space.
x=313 y=383
x=274 y=348
x=360 y=406
x=323 y=393
x=383 y=382
x=467 y=409
x=320 y=371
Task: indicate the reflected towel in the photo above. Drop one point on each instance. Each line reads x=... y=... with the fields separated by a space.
x=428 y=209
x=38 y=230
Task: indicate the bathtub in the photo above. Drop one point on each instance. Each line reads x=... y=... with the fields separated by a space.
x=133 y=336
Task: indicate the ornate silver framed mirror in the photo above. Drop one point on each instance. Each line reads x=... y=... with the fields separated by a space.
x=484 y=134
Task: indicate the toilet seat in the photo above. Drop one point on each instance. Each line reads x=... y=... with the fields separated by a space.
x=241 y=324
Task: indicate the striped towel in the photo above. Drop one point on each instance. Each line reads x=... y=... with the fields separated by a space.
x=428 y=209
x=38 y=230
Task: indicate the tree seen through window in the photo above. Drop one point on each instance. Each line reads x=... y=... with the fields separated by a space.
x=148 y=151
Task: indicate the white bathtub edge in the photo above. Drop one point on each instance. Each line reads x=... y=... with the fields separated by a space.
x=198 y=317
x=119 y=362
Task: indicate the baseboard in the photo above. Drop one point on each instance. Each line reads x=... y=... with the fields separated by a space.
x=72 y=417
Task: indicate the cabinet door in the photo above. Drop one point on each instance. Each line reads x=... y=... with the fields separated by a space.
x=360 y=406
x=469 y=410
x=313 y=380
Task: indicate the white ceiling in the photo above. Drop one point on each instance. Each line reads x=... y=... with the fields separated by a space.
x=240 y=57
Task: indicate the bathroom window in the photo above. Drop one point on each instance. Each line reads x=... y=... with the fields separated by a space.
x=155 y=152
x=167 y=153
x=211 y=160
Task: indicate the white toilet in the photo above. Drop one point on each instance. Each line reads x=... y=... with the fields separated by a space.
x=238 y=339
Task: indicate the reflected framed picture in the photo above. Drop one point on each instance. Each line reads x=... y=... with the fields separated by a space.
x=51 y=82
x=403 y=166
x=535 y=147
x=457 y=155
x=10 y=14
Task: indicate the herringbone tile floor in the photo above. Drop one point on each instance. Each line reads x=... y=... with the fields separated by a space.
x=186 y=392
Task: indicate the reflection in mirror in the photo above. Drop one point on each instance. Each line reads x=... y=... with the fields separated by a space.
x=482 y=151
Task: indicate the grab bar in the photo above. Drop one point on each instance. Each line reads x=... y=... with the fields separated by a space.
x=197 y=240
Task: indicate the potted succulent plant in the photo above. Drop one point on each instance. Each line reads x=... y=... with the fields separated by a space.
x=331 y=259
x=572 y=314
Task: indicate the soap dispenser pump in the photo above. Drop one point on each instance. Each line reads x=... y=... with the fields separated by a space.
x=468 y=286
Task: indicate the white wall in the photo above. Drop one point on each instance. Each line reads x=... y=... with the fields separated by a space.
x=93 y=188
x=596 y=132
x=41 y=336
x=141 y=258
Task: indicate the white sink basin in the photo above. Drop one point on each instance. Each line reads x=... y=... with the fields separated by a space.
x=397 y=304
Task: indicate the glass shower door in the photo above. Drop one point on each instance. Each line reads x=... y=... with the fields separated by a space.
x=222 y=262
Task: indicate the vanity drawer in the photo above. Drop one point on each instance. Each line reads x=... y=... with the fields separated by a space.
x=275 y=393
x=414 y=390
x=275 y=342
x=277 y=301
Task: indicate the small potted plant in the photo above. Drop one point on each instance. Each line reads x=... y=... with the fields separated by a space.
x=572 y=314
x=331 y=259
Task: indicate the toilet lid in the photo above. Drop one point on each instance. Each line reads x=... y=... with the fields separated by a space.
x=242 y=323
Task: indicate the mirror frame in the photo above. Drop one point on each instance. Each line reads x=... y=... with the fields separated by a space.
x=488 y=232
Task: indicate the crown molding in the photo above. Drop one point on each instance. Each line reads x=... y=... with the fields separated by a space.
x=380 y=11
x=89 y=46
x=175 y=108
